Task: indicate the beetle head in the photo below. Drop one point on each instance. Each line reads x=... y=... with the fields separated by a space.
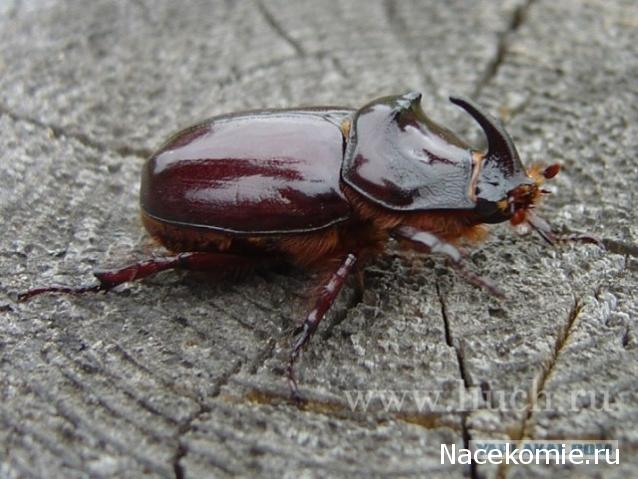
x=504 y=189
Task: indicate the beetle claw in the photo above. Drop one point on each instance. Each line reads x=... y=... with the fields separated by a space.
x=295 y=396
x=581 y=238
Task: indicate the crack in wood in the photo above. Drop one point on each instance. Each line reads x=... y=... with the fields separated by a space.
x=81 y=386
x=339 y=68
x=518 y=17
x=246 y=325
x=472 y=470
x=237 y=75
x=261 y=358
x=182 y=449
x=78 y=422
x=19 y=433
x=167 y=383
x=272 y=21
x=456 y=345
x=537 y=388
x=399 y=29
x=288 y=323
x=446 y=324
x=337 y=410
x=178 y=469
x=82 y=138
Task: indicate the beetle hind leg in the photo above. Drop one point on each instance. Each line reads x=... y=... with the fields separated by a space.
x=192 y=261
x=327 y=297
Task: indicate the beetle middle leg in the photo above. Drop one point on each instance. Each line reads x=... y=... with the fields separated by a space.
x=192 y=261
x=427 y=242
x=327 y=296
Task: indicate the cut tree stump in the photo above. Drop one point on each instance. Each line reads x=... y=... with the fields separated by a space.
x=181 y=377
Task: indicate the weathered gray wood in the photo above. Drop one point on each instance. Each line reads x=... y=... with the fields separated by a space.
x=177 y=377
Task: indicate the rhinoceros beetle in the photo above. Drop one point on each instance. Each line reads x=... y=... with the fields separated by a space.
x=325 y=189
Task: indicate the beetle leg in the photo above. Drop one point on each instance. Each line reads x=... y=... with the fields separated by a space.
x=360 y=285
x=543 y=228
x=427 y=242
x=327 y=296
x=193 y=261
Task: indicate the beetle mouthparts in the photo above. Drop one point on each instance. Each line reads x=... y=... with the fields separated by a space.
x=501 y=150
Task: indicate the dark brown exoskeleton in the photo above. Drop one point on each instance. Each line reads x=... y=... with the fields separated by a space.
x=327 y=187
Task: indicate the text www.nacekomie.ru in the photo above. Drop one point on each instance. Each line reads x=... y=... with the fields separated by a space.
x=532 y=452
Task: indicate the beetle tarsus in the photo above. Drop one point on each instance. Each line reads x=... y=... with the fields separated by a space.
x=27 y=295
x=327 y=297
x=295 y=396
x=580 y=238
x=543 y=228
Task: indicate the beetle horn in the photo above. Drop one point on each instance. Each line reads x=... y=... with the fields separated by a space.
x=500 y=147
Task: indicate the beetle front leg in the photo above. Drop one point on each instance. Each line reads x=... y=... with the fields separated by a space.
x=543 y=228
x=427 y=242
x=193 y=261
x=327 y=296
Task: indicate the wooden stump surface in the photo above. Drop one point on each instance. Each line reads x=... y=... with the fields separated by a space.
x=180 y=377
